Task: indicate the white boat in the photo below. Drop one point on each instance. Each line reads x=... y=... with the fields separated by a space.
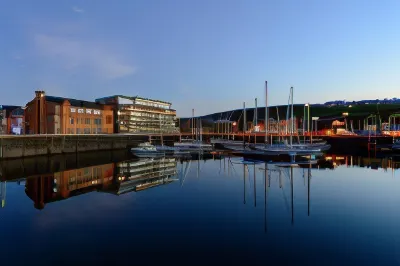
x=147 y=150
x=192 y=145
x=295 y=147
x=175 y=151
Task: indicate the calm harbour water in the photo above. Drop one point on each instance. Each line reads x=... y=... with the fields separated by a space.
x=206 y=212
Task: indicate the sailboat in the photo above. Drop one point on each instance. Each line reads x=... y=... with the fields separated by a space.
x=291 y=148
x=194 y=145
x=236 y=145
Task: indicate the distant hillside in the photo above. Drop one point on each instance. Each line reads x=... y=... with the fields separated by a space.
x=355 y=112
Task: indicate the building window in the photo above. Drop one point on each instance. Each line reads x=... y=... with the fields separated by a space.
x=97 y=121
x=71 y=120
x=73 y=110
x=87 y=121
x=109 y=119
x=86 y=130
x=78 y=131
x=99 y=130
x=80 y=111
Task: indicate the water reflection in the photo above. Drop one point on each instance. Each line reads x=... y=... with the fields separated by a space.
x=134 y=175
x=115 y=178
x=142 y=174
x=263 y=212
x=49 y=188
x=332 y=161
x=286 y=173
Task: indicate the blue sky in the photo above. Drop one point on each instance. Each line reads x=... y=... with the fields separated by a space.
x=210 y=55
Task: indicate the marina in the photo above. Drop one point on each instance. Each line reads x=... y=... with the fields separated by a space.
x=270 y=202
x=200 y=133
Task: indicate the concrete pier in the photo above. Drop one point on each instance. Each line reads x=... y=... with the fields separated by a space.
x=12 y=146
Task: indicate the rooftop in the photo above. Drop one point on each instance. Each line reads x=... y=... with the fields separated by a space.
x=133 y=98
x=9 y=107
x=73 y=102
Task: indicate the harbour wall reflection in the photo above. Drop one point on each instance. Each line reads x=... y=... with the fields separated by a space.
x=51 y=179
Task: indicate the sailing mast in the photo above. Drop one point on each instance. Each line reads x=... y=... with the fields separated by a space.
x=287 y=116
x=244 y=123
x=292 y=118
x=255 y=122
x=192 y=123
x=200 y=131
x=255 y=114
x=266 y=123
x=279 y=124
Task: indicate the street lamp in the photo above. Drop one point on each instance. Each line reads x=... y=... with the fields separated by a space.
x=346 y=114
x=308 y=118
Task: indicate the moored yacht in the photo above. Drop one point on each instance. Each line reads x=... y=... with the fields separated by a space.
x=147 y=150
x=191 y=145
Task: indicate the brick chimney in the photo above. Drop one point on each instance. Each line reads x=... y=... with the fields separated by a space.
x=40 y=94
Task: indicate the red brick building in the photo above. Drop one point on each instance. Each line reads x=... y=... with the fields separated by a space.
x=58 y=115
x=11 y=119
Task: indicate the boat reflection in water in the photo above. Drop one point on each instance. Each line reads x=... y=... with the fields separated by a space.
x=281 y=172
x=284 y=176
x=114 y=178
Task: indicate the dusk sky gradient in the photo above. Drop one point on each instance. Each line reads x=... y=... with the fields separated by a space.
x=210 y=55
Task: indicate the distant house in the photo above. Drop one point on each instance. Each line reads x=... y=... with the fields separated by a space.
x=335 y=103
x=12 y=119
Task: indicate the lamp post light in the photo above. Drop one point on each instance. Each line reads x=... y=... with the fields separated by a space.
x=346 y=114
x=312 y=127
x=308 y=117
x=304 y=124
